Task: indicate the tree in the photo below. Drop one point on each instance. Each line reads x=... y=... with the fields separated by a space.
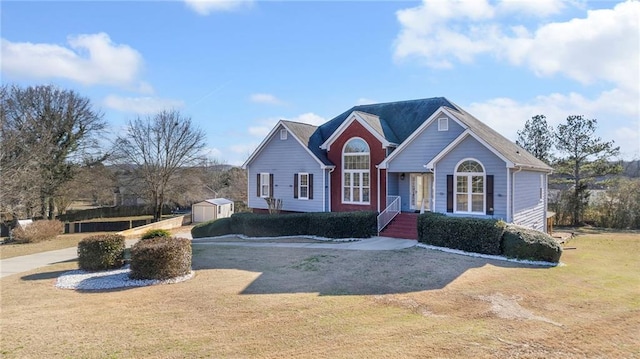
x=537 y=138
x=586 y=159
x=158 y=147
x=45 y=132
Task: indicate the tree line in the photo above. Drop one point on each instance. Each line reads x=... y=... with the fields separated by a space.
x=51 y=153
x=583 y=163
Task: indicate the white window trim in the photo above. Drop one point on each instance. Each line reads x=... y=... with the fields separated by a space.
x=351 y=172
x=300 y=186
x=264 y=181
x=283 y=134
x=443 y=124
x=469 y=193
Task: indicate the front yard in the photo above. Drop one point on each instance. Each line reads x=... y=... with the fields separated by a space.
x=275 y=302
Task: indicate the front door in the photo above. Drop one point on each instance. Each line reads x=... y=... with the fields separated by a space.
x=421 y=191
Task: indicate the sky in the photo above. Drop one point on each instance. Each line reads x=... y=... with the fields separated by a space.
x=237 y=67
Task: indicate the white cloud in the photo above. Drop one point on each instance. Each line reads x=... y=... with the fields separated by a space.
x=603 y=46
x=617 y=123
x=89 y=59
x=141 y=105
x=266 y=98
x=206 y=7
x=541 y=8
x=264 y=126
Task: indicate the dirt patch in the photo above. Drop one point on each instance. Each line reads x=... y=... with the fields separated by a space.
x=509 y=308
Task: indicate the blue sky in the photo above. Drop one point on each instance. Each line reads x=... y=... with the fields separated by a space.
x=237 y=67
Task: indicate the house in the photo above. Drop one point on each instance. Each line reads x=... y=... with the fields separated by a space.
x=406 y=156
x=211 y=209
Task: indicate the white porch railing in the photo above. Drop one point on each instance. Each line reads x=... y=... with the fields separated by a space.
x=389 y=213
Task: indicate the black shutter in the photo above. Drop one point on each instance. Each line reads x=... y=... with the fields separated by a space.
x=295 y=185
x=310 y=185
x=258 y=186
x=450 y=193
x=270 y=184
x=490 y=194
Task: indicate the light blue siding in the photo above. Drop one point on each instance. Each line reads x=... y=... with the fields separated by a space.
x=493 y=165
x=528 y=201
x=424 y=147
x=283 y=159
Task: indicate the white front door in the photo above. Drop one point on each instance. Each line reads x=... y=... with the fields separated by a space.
x=420 y=191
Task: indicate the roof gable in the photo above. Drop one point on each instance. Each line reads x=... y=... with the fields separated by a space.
x=371 y=122
x=301 y=132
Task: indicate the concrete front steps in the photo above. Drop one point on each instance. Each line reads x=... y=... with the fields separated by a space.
x=404 y=225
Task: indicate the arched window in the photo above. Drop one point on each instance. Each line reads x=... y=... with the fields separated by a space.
x=470 y=187
x=355 y=172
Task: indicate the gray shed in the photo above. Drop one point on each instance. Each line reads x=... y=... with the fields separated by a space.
x=211 y=209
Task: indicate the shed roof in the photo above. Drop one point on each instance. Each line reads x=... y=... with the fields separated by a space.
x=216 y=201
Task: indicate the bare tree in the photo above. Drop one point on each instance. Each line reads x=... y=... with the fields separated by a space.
x=45 y=133
x=157 y=147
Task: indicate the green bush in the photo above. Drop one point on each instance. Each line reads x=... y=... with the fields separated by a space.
x=343 y=224
x=468 y=234
x=153 y=233
x=160 y=258
x=37 y=231
x=323 y=224
x=524 y=243
x=213 y=228
x=101 y=252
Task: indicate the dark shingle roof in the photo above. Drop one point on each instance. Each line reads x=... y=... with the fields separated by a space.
x=396 y=121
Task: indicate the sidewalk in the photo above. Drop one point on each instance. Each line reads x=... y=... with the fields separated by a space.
x=26 y=263
x=29 y=262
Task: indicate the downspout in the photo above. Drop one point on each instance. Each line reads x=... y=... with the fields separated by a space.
x=378 y=188
x=329 y=187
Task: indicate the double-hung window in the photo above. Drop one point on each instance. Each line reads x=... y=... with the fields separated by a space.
x=265 y=180
x=355 y=172
x=470 y=187
x=303 y=186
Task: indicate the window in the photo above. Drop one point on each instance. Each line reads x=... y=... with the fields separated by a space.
x=219 y=209
x=443 y=124
x=470 y=187
x=355 y=172
x=541 y=188
x=303 y=186
x=283 y=134
x=265 y=185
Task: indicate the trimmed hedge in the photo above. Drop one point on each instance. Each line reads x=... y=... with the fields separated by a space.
x=323 y=224
x=463 y=233
x=213 y=228
x=101 y=252
x=524 y=243
x=154 y=233
x=160 y=258
x=362 y=224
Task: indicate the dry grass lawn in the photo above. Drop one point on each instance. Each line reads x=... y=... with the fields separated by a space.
x=279 y=303
x=10 y=250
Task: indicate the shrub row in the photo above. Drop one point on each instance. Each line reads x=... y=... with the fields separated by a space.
x=101 y=252
x=322 y=224
x=161 y=258
x=487 y=236
x=37 y=231
x=524 y=243
x=463 y=233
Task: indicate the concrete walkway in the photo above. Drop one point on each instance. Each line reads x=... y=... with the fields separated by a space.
x=29 y=262
x=26 y=263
